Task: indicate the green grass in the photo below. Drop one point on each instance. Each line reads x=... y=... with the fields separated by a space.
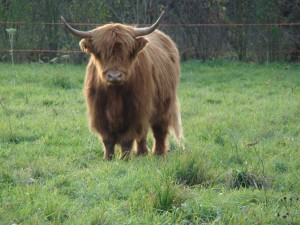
x=240 y=164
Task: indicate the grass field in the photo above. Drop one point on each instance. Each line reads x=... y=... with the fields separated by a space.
x=240 y=164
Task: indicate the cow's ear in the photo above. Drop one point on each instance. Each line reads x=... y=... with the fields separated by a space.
x=140 y=43
x=86 y=45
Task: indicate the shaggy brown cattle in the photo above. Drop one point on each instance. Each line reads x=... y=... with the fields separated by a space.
x=130 y=85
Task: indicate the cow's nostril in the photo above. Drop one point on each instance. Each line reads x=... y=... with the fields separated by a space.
x=114 y=75
x=109 y=76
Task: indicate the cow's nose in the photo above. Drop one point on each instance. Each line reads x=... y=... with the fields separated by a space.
x=114 y=75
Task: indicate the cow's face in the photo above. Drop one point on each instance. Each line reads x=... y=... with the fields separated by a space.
x=114 y=48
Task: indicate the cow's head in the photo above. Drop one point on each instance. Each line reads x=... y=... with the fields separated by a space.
x=114 y=48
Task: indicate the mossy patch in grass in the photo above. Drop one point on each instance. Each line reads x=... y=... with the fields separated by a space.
x=194 y=212
x=17 y=139
x=188 y=169
x=166 y=197
x=6 y=179
x=246 y=179
x=280 y=167
x=62 y=82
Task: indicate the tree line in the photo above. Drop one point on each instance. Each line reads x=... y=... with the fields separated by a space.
x=268 y=35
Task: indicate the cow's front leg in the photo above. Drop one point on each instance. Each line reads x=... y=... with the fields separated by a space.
x=126 y=147
x=109 y=149
x=142 y=147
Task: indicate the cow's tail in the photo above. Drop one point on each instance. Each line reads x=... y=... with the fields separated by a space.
x=176 y=126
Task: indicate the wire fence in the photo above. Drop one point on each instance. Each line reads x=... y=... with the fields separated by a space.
x=50 y=42
x=161 y=25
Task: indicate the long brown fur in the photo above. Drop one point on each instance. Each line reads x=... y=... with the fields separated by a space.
x=122 y=114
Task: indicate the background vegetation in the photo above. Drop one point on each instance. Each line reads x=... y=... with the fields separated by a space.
x=41 y=29
x=240 y=164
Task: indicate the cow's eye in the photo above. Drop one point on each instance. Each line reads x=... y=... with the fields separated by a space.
x=132 y=54
x=98 y=55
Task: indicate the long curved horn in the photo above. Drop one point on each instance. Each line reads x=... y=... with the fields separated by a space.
x=148 y=30
x=81 y=34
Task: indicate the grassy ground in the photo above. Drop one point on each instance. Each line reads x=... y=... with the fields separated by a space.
x=240 y=164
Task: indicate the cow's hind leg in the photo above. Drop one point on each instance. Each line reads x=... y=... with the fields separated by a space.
x=160 y=132
x=109 y=149
x=126 y=147
x=142 y=147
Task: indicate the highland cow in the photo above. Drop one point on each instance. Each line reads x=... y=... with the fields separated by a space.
x=130 y=86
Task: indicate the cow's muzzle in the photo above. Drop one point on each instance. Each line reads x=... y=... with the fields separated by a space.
x=114 y=76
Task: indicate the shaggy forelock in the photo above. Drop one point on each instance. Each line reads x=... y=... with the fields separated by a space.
x=114 y=38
